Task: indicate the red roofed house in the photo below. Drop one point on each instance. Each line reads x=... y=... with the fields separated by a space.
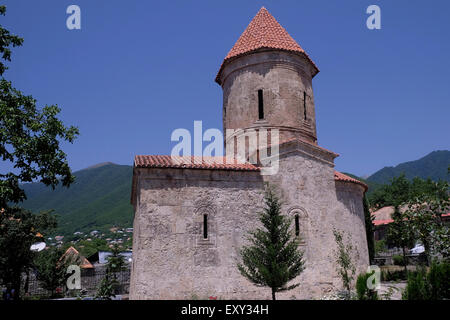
x=383 y=217
x=192 y=214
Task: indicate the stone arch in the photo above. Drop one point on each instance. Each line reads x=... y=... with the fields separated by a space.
x=202 y=208
x=300 y=214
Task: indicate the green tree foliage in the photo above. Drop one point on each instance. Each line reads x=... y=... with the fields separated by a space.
x=419 y=205
x=344 y=264
x=29 y=137
x=50 y=271
x=380 y=246
x=425 y=212
x=29 y=141
x=109 y=284
x=400 y=191
x=401 y=234
x=116 y=262
x=106 y=289
x=369 y=229
x=273 y=258
x=394 y=194
x=431 y=285
x=7 y=40
x=18 y=231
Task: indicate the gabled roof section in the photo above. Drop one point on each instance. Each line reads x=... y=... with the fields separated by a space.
x=191 y=162
x=338 y=176
x=264 y=31
x=72 y=256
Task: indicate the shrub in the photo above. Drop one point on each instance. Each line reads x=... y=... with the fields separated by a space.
x=362 y=291
x=380 y=246
x=398 y=260
x=439 y=281
x=417 y=286
x=434 y=285
x=395 y=275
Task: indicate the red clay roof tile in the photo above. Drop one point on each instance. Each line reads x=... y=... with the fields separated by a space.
x=338 y=176
x=264 y=31
x=191 y=162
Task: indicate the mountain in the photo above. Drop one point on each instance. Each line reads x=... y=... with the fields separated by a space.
x=434 y=166
x=98 y=199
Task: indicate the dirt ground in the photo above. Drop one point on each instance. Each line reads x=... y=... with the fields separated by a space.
x=391 y=290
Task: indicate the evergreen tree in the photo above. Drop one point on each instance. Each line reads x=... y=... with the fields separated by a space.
x=109 y=284
x=51 y=272
x=106 y=289
x=273 y=258
x=369 y=229
x=116 y=262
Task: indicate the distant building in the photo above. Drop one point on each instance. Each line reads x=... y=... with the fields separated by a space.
x=383 y=217
x=101 y=257
x=72 y=256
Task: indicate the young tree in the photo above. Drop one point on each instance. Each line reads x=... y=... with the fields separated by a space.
x=109 y=283
x=273 y=258
x=50 y=271
x=401 y=234
x=106 y=290
x=116 y=262
x=344 y=264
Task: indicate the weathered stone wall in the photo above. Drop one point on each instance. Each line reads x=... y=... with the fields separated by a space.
x=283 y=77
x=170 y=257
x=171 y=260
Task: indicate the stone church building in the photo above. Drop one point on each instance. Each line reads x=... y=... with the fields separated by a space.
x=192 y=217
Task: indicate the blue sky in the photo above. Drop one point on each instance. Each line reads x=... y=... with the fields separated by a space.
x=137 y=70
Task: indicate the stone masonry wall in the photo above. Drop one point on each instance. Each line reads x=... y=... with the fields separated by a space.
x=171 y=260
x=283 y=77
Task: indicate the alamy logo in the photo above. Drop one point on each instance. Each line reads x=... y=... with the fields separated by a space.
x=374 y=280
x=74 y=280
x=374 y=20
x=242 y=146
x=74 y=20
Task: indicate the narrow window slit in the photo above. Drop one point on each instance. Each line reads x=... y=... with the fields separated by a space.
x=297 y=226
x=304 y=105
x=260 y=104
x=205 y=226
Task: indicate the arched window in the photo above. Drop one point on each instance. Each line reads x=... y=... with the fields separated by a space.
x=301 y=224
x=205 y=225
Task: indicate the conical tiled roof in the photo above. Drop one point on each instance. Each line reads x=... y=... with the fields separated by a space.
x=264 y=31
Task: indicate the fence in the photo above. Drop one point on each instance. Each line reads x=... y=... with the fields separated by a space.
x=90 y=281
